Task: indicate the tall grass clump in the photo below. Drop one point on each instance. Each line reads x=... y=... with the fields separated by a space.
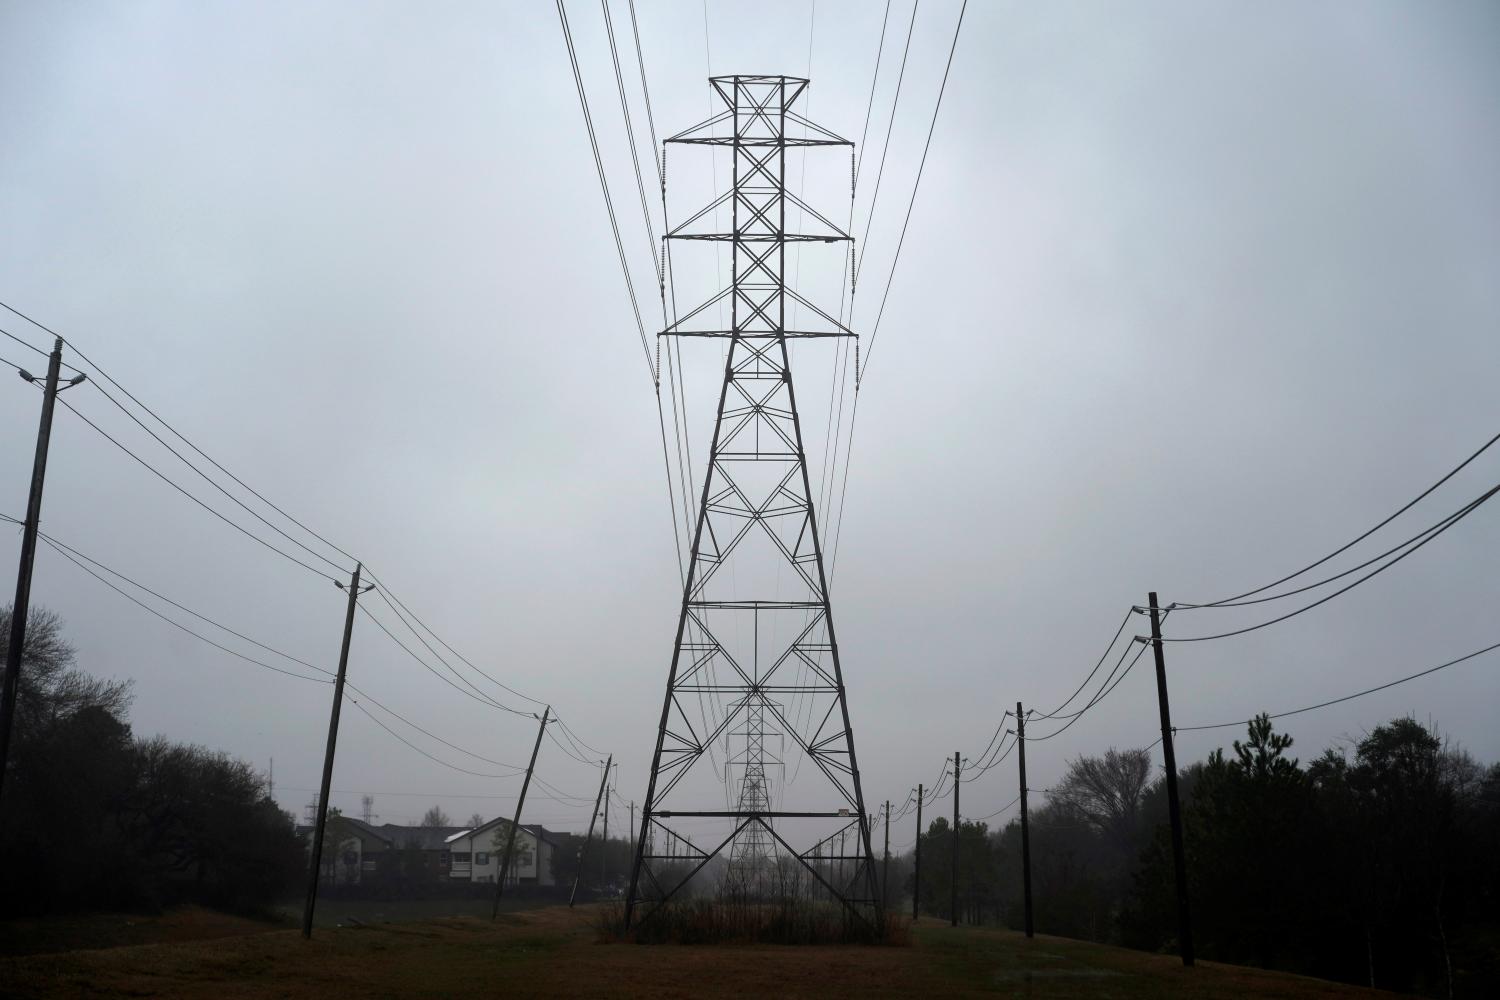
x=733 y=916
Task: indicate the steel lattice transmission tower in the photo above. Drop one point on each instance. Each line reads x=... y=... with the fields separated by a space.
x=756 y=628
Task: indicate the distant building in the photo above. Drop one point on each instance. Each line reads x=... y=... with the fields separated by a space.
x=475 y=855
x=355 y=852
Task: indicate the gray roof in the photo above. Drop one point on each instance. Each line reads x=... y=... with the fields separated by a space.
x=428 y=838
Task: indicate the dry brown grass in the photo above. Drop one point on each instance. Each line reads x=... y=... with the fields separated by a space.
x=553 y=952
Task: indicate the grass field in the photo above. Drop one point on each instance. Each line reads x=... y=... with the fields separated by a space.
x=555 y=952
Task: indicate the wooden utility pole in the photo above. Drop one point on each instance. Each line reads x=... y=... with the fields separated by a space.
x=510 y=841
x=604 y=854
x=585 y=845
x=29 y=529
x=316 y=870
x=1025 y=825
x=957 y=766
x=1174 y=806
x=885 y=865
x=916 y=871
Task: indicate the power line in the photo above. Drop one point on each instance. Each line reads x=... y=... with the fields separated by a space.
x=1337 y=576
x=178 y=625
x=833 y=433
x=1103 y=693
x=208 y=479
x=1102 y=657
x=569 y=752
x=886 y=147
x=415 y=795
x=29 y=346
x=577 y=741
x=26 y=344
x=482 y=698
x=180 y=607
x=451 y=669
x=515 y=768
x=875 y=331
x=463 y=770
x=166 y=479
x=1348 y=545
x=388 y=595
x=640 y=61
x=100 y=372
x=854 y=411
x=559 y=792
x=1349 y=697
x=1450 y=522
x=69 y=553
x=975 y=772
x=1002 y=809
x=609 y=205
x=646 y=218
x=635 y=159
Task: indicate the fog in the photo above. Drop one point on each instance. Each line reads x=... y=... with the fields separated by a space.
x=1192 y=294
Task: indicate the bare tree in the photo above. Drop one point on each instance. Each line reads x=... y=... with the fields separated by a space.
x=1107 y=792
x=475 y=821
x=51 y=686
x=435 y=817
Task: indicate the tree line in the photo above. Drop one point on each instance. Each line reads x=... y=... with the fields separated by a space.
x=95 y=817
x=1377 y=863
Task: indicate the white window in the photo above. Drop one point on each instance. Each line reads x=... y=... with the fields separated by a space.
x=460 y=857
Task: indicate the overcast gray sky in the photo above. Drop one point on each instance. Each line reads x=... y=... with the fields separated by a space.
x=1192 y=294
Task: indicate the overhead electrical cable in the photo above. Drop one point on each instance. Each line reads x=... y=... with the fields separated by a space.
x=1102 y=657
x=1178 y=605
x=389 y=595
x=833 y=434
x=448 y=764
x=1349 y=697
x=56 y=543
x=657 y=268
x=997 y=812
x=890 y=277
x=573 y=737
x=1348 y=545
x=176 y=624
x=921 y=167
x=451 y=669
x=481 y=698
x=635 y=159
x=78 y=558
x=1445 y=525
x=516 y=768
x=99 y=371
x=321 y=574
x=212 y=482
x=886 y=147
x=1104 y=692
x=568 y=751
x=609 y=205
